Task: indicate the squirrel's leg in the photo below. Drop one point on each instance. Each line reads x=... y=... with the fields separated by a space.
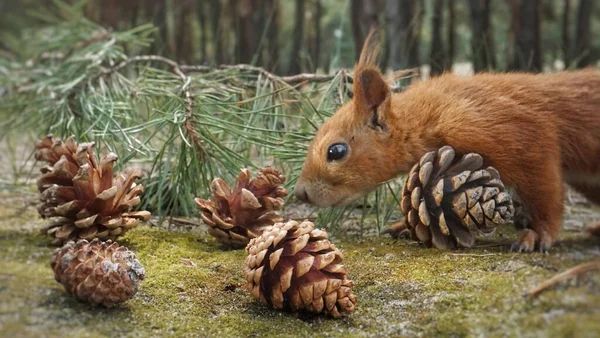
x=399 y=230
x=522 y=219
x=543 y=193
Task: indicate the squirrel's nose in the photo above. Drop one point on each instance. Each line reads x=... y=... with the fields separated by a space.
x=300 y=192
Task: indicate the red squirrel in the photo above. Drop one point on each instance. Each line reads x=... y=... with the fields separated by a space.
x=537 y=130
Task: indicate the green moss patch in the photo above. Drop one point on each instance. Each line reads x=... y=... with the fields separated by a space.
x=194 y=287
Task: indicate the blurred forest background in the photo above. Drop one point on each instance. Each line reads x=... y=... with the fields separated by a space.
x=190 y=90
x=294 y=36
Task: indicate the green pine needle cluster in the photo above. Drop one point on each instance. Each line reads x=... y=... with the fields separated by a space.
x=183 y=125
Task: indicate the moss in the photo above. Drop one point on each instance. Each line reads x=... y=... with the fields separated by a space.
x=194 y=287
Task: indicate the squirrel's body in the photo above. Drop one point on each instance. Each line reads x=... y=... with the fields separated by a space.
x=537 y=130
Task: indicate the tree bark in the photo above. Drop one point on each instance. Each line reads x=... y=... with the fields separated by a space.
x=364 y=14
x=401 y=27
x=215 y=6
x=583 y=37
x=451 y=38
x=482 y=44
x=184 y=50
x=316 y=45
x=528 y=49
x=203 y=31
x=273 y=36
x=110 y=13
x=437 y=55
x=159 y=12
x=134 y=8
x=566 y=42
x=295 y=65
x=246 y=37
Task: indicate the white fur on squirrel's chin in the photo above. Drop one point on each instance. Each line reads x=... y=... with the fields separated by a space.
x=339 y=202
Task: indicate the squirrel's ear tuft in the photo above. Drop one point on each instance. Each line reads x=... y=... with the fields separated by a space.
x=370 y=88
x=370 y=50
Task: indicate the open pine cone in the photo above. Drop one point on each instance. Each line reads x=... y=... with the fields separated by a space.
x=82 y=193
x=293 y=266
x=234 y=216
x=446 y=198
x=97 y=272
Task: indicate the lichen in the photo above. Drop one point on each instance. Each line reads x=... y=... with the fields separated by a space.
x=194 y=287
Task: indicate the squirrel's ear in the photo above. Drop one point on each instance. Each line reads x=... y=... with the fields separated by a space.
x=370 y=88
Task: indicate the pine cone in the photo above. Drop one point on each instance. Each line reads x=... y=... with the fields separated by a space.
x=294 y=267
x=97 y=272
x=234 y=216
x=446 y=198
x=83 y=193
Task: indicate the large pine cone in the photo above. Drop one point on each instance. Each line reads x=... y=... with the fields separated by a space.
x=293 y=266
x=447 y=198
x=82 y=193
x=234 y=216
x=97 y=272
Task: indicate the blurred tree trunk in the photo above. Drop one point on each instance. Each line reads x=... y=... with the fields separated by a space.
x=295 y=66
x=402 y=27
x=158 y=11
x=526 y=31
x=316 y=36
x=566 y=42
x=183 y=49
x=110 y=13
x=261 y=19
x=246 y=35
x=511 y=40
x=92 y=9
x=215 y=16
x=364 y=15
x=482 y=43
x=583 y=37
x=451 y=18
x=437 y=56
x=203 y=32
x=134 y=8
x=417 y=29
x=273 y=36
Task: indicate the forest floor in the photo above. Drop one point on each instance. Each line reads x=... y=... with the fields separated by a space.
x=194 y=287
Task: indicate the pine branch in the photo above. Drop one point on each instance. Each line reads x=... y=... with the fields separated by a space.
x=72 y=81
x=185 y=89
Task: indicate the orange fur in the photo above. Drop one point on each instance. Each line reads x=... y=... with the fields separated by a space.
x=537 y=130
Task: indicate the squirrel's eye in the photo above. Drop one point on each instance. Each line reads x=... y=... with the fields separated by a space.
x=337 y=151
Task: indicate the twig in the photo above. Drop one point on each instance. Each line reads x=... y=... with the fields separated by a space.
x=185 y=88
x=291 y=79
x=579 y=269
x=181 y=221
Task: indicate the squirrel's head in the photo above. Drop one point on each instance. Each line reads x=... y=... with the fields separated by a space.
x=351 y=153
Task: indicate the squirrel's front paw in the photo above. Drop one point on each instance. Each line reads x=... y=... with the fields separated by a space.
x=529 y=239
x=398 y=230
